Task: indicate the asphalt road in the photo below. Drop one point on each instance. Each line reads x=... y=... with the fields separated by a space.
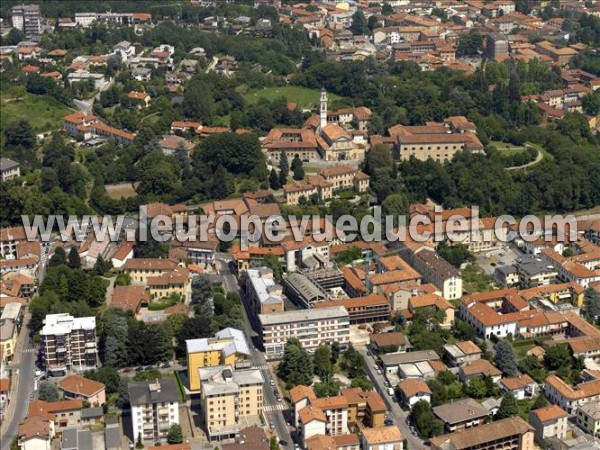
x=273 y=409
x=23 y=373
x=399 y=416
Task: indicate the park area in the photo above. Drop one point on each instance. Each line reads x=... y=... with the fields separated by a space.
x=120 y=190
x=303 y=97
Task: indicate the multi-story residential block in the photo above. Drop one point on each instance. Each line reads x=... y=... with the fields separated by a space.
x=177 y=282
x=9 y=169
x=461 y=353
x=581 y=268
x=513 y=433
x=345 y=177
x=366 y=408
x=10 y=324
x=264 y=295
x=549 y=422
x=297 y=254
x=154 y=408
x=68 y=343
x=438 y=271
x=386 y=438
x=588 y=417
x=228 y=347
x=27 y=18
x=231 y=400
x=311 y=327
x=534 y=272
x=461 y=414
x=370 y=309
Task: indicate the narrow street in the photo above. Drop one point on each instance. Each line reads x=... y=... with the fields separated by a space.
x=23 y=372
x=399 y=416
x=273 y=409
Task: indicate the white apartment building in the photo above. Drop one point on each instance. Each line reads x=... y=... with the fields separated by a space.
x=69 y=343
x=154 y=408
x=312 y=327
x=27 y=18
x=264 y=294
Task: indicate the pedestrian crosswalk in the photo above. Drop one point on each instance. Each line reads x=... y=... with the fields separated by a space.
x=28 y=350
x=262 y=367
x=276 y=407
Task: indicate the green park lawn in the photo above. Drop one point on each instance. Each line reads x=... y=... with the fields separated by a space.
x=43 y=112
x=507 y=148
x=303 y=97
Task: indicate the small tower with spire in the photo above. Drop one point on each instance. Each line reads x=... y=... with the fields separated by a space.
x=323 y=111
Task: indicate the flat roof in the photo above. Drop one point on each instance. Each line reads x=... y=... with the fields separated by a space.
x=303 y=315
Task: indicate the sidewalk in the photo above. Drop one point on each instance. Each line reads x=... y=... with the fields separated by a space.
x=14 y=378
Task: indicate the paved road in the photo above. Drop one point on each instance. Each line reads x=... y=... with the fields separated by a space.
x=399 y=416
x=538 y=158
x=273 y=408
x=23 y=373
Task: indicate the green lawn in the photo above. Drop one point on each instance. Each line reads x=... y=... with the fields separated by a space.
x=43 y=112
x=507 y=148
x=304 y=97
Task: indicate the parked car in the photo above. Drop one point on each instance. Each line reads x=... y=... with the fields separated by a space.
x=282 y=442
x=166 y=365
x=272 y=424
x=126 y=369
x=139 y=369
x=272 y=382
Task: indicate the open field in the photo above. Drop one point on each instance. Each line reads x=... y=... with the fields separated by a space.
x=121 y=190
x=304 y=97
x=507 y=148
x=43 y=112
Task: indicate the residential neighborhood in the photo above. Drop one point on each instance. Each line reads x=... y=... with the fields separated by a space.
x=285 y=225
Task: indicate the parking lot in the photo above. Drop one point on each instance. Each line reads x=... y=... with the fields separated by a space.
x=504 y=256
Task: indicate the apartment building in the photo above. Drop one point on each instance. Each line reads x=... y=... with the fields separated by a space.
x=534 y=272
x=227 y=347
x=438 y=271
x=364 y=407
x=27 y=18
x=438 y=303
x=298 y=192
x=231 y=400
x=588 y=417
x=10 y=324
x=141 y=269
x=9 y=169
x=312 y=327
x=549 y=422
x=177 y=282
x=307 y=251
x=386 y=438
x=370 y=309
x=68 y=343
x=264 y=295
x=512 y=433
x=571 y=398
x=583 y=268
x=154 y=408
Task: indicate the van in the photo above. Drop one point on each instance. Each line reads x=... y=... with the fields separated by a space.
x=390 y=391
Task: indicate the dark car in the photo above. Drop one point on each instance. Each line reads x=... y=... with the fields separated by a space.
x=275 y=393
x=388 y=422
x=282 y=442
x=165 y=365
x=139 y=369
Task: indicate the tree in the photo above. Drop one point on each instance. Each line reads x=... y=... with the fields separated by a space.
x=540 y=402
x=508 y=407
x=273 y=444
x=274 y=180
x=591 y=305
x=221 y=187
x=591 y=103
x=299 y=173
x=192 y=328
x=103 y=266
x=19 y=92
x=471 y=44
x=395 y=205
x=456 y=254
x=48 y=392
x=329 y=388
x=198 y=102
x=107 y=376
x=557 y=356
x=58 y=259
x=175 y=434
x=296 y=162
x=421 y=415
x=296 y=367
x=362 y=382
x=284 y=168
x=505 y=358
x=19 y=134
x=353 y=363
x=477 y=388
x=322 y=362
x=379 y=157
x=272 y=262
x=359 y=25
x=74 y=259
